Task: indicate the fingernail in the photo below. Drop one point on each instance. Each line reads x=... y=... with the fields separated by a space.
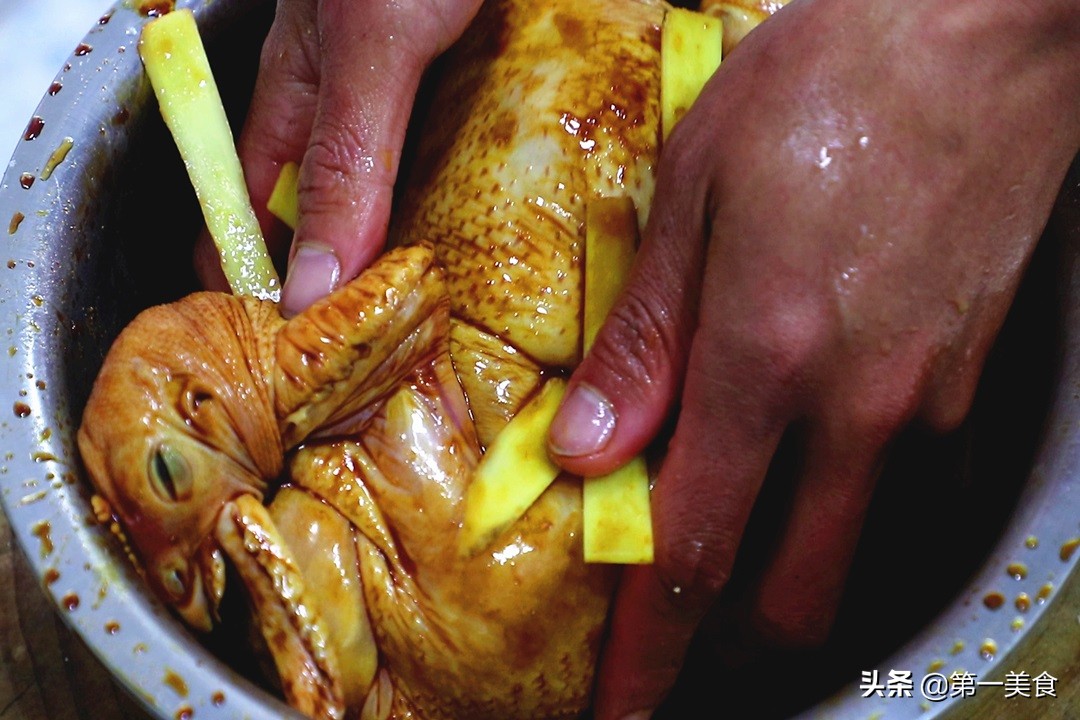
x=639 y=715
x=584 y=424
x=313 y=274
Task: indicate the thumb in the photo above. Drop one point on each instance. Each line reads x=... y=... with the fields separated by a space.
x=619 y=397
x=372 y=57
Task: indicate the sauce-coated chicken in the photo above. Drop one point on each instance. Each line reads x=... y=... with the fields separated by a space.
x=327 y=457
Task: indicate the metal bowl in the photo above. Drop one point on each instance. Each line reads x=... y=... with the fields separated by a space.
x=100 y=219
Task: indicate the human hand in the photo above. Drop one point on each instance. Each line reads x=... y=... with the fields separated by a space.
x=336 y=84
x=839 y=228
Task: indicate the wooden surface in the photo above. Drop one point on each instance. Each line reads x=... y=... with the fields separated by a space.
x=47 y=673
x=1052 y=646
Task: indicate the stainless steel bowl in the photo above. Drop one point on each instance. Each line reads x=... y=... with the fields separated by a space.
x=100 y=219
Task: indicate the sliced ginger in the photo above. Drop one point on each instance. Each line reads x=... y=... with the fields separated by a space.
x=691 y=45
x=611 y=238
x=616 y=511
x=179 y=71
x=616 y=515
x=514 y=472
x=283 y=202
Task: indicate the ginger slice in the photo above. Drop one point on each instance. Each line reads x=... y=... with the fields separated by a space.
x=175 y=60
x=616 y=515
x=283 y=202
x=611 y=238
x=513 y=473
x=691 y=45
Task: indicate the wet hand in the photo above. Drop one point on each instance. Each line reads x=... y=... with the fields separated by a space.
x=336 y=85
x=839 y=228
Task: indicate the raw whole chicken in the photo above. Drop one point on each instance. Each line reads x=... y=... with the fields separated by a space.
x=327 y=457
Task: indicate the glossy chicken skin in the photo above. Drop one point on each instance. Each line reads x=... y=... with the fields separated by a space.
x=543 y=106
x=511 y=632
x=376 y=404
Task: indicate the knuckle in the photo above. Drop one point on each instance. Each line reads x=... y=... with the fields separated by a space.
x=692 y=572
x=290 y=49
x=787 y=341
x=336 y=163
x=949 y=402
x=638 y=345
x=945 y=415
x=446 y=22
x=681 y=157
x=334 y=151
x=881 y=410
x=693 y=133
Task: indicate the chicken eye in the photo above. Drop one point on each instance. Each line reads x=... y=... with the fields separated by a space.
x=169 y=474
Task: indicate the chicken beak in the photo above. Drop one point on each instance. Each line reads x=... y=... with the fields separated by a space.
x=197 y=610
x=295 y=635
x=193 y=587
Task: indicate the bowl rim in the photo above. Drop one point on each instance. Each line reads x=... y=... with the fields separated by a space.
x=133 y=636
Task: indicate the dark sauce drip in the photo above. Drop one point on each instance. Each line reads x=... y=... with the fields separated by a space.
x=37 y=124
x=83 y=49
x=1068 y=548
x=1017 y=571
x=177 y=683
x=56 y=87
x=26 y=180
x=155 y=8
x=43 y=532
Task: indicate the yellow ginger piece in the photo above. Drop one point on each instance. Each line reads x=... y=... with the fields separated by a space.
x=691 y=45
x=514 y=472
x=611 y=238
x=618 y=517
x=175 y=60
x=616 y=514
x=283 y=198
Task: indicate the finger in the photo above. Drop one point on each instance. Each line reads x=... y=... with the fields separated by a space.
x=372 y=57
x=623 y=390
x=800 y=589
x=276 y=129
x=701 y=503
